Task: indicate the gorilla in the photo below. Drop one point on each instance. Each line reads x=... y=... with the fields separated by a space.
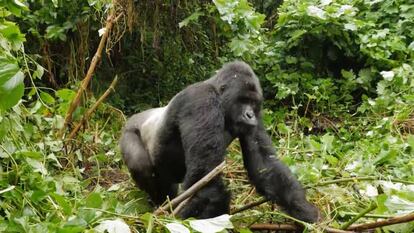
x=185 y=140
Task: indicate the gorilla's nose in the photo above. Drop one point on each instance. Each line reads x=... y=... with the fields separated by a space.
x=249 y=114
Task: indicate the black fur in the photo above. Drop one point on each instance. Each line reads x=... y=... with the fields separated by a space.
x=185 y=140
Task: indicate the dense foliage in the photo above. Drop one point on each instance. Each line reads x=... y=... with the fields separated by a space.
x=337 y=75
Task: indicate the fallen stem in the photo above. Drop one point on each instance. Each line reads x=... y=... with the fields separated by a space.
x=381 y=223
x=363 y=178
x=181 y=206
x=192 y=190
x=367 y=215
x=324 y=183
x=250 y=205
x=370 y=208
x=352 y=228
x=290 y=227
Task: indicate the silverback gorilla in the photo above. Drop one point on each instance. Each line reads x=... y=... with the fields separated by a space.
x=183 y=141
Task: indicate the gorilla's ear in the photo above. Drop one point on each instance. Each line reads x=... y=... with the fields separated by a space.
x=222 y=88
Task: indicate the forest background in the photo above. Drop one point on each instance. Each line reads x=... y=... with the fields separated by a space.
x=338 y=81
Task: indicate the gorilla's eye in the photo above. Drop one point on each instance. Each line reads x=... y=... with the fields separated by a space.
x=251 y=87
x=222 y=88
x=245 y=100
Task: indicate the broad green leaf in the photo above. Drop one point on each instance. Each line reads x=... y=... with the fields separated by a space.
x=94 y=200
x=63 y=203
x=37 y=166
x=327 y=141
x=66 y=94
x=38 y=73
x=11 y=82
x=11 y=32
x=385 y=156
x=74 y=225
x=46 y=97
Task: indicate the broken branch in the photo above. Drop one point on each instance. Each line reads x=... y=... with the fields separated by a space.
x=93 y=108
x=381 y=223
x=290 y=227
x=192 y=190
x=96 y=58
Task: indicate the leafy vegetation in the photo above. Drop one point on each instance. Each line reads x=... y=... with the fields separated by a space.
x=337 y=76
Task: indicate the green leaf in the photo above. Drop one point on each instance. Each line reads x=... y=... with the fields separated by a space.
x=245 y=230
x=61 y=201
x=46 y=97
x=94 y=200
x=192 y=18
x=11 y=32
x=410 y=141
x=327 y=141
x=37 y=166
x=55 y=32
x=386 y=156
x=66 y=94
x=38 y=73
x=11 y=82
x=347 y=74
x=74 y=225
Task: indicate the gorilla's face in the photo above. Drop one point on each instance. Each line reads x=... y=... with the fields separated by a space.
x=242 y=103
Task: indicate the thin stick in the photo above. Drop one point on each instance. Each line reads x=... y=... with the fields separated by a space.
x=92 y=109
x=370 y=208
x=363 y=178
x=352 y=228
x=192 y=190
x=96 y=58
x=323 y=183
x=250 y=205
x=386 y=222
x=290 y=227
x=181 y=206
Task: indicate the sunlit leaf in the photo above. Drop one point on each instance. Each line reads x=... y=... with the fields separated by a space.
x=192 y=18
x=212 y=225
x=113 y=226
x=176 y=227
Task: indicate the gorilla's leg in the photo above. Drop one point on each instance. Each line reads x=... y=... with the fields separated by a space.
x=201 y=127
x=272 y=178
x=213 y=200
x=144 y=173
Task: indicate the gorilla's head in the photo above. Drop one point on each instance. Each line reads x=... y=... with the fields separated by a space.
x=241 y=96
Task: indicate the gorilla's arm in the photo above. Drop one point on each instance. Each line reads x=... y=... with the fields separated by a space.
x=201 y=128
x=272 y=178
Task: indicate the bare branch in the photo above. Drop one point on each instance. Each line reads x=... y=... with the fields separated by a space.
x=250 y=205
x=352 y=228
x=381 y=223
x=92 y=109
x=192 y=190
x=96 y=58
x=290 y=227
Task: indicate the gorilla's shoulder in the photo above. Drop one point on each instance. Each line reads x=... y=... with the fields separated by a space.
x=200 y=89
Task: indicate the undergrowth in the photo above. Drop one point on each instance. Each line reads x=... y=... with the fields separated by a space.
x=337 y=76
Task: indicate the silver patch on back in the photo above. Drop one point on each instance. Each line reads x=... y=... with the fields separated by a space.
x=150 y=127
